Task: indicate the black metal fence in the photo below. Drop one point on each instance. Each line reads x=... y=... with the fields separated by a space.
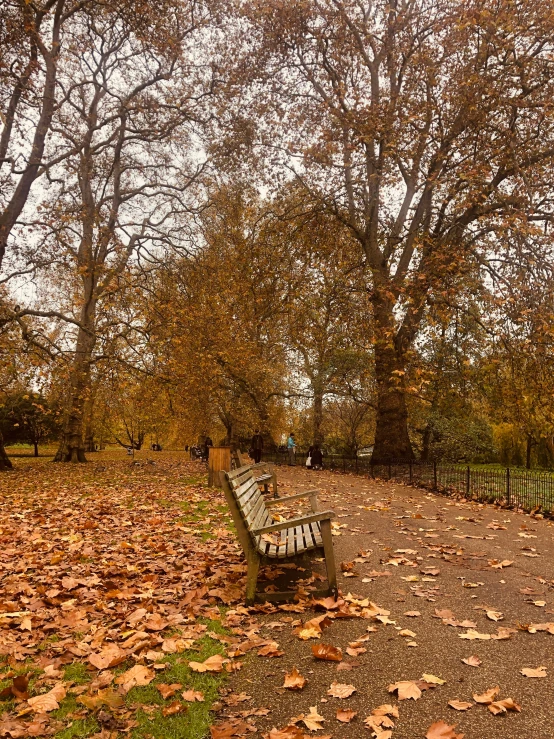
x=510 y=487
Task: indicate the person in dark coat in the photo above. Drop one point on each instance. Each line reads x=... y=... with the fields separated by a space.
x=317 y=457
x=207 y=444
x=257 y=445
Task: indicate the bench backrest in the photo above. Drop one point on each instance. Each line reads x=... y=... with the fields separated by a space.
x=246 y=503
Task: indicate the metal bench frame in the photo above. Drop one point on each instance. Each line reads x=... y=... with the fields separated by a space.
x=298 y=536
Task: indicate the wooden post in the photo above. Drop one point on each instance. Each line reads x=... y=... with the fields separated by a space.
x=219 y=459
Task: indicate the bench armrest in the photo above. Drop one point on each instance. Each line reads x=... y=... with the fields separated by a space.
x=292 y=522
x=298 y=496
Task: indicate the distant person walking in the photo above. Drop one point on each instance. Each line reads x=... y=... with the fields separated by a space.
x=257 y=445
x=291 y=448
x=207 y=444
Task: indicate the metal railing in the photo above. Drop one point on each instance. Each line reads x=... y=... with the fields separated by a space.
x=506 y=486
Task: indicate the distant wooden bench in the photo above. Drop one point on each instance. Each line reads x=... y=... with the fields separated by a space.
x=297 y=536
x=268 y=471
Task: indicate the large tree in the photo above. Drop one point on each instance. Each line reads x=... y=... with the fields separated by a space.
x=426 y=128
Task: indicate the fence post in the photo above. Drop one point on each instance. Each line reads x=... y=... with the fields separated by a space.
x=434 y=474
x=468 y=473
x=508 y=491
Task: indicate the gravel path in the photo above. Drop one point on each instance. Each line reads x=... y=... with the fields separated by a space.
x=418 y=553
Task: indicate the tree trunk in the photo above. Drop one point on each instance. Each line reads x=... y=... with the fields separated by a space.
x=72 y=447
x=318 y=413
x=35 y=444
x=5 y=462
x=392 y=441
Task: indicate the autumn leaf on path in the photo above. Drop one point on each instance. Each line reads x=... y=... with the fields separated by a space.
x=340 y=690
x=270 y=650
x=107 y=697
x=440 y=730
x=294 y=680
x=345 y=716
x=137 y=675
x=110 y=656
x=192 y=695
x=488 y=696
x=313 y=629
x=533 y=671
x=327 y=651
x=212 y=664
x=507 y=704
x=433 y=679
x=313 y=720
x=406 y=689
x=472 y=661
x=460 y=705
x=48 y=701
x=495 y=615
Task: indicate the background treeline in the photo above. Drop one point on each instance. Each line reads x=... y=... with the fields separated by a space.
x=327 y=217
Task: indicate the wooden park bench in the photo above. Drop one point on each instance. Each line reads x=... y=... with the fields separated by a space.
x=295 y=537
x=268 y=474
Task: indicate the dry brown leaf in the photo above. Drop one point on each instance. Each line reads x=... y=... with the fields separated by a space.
x=137 y=675
x=192 y=695
x=440 y=730
x=533 y=671
x=110 y=656
x=313 y=720
x=495 y=615
x=507 y=704
x=472 y=661
x=289 y=732
x=48 y=701
x=168 y=691
x=173 y=708
x=294 y=680
x=460 y=705
x=488 y=696
x=341 y=690
x=345 y=716
x=327 y=651
x=212 y=664
x=406 y=689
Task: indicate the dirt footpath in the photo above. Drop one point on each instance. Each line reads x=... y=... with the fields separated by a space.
x=438 y=582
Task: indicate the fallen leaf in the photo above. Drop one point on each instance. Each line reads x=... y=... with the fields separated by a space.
x=341 y=690
x=488 y=696
x=433 y=679
x=48 y=701
x=472 y=661
x=192 y=695
x=313 y=720
x=294 y=680
x=110 y=656
x=345 y=716
x=440 y=730
x=168 y=691
x=460 y=705
x=406 y=689
x=495 y=615
x=508 y=704
x=533 y=671
x=137 y=675
x=212 y=664
x=327 y=651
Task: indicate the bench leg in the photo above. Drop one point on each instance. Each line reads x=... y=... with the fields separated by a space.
x=274 y=483
x=252 y=576
x=329 y=557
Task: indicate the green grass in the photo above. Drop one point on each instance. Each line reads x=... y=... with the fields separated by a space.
x=193 y=723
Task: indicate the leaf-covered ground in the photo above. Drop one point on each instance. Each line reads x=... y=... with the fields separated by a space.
x=115 y=577
x=122 y=615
